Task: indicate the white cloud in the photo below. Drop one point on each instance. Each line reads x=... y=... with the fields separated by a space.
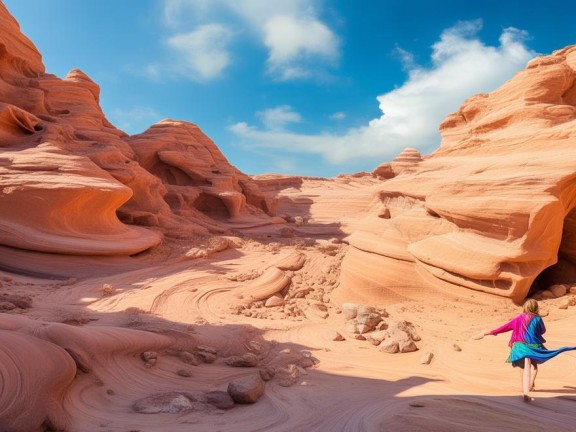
x=462 y=65
x=277 y=118
x=339 y=116
x=134 y=119
x=299 y=44
x=202 y=53
x=294 y=41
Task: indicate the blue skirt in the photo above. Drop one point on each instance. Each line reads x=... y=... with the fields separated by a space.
x=536 y=352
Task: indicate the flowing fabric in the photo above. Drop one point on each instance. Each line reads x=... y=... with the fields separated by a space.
x=527 y=341
x=535 y=352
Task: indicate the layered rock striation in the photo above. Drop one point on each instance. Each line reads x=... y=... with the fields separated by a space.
x=72 y=183
x=492 y=209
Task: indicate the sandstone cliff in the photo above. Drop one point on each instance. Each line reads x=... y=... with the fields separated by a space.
x=91 y=186
x=492 y=209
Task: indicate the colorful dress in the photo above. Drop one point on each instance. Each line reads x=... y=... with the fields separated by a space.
x=527 y=341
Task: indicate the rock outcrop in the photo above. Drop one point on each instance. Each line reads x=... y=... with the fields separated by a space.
x=492 y=209
x=92 y=187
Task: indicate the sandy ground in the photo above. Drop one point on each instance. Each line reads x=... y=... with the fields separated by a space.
x=114 y=309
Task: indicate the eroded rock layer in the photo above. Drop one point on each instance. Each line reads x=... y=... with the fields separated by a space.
x=492 y=208
x=72 y=183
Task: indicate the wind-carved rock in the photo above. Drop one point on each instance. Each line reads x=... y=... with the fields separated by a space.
x=72 y=183
x=492 y=209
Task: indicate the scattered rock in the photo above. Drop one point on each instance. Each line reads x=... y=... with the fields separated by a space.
x=335 y=336
x=220 y=399
x=20 y=301
x=384 y=213
x=150 y=358
x=319 y=309
x=288 y=375
x=456 y=348
x=389 y=346
x=7 y=306
x=349 y=310
x=375 y=338
x=172 y=403
x=184 y=373
x=367 y=321
x=107 y=290
x=189 y=358
x=246 y=390
x=267 y=373
x=275 y=300
x=406 y=346
x=426 y=358
x=245 y=360
x=206 y=354
x=558 y=290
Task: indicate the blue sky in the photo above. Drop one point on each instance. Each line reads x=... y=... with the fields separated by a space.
x=309 y=87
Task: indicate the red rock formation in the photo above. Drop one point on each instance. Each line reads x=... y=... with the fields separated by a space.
x=63 y=158
x=493 y=208
x=406 y=161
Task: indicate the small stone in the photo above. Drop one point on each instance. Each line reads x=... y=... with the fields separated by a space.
x=287 y=376
x=189 y=358
x=350 y=310
x=7 y=306
x=162 y=403
x=335 y=336
x=274 y=301
x=246 y=360
x=220 y=399
x=149 y=355
x=351 y=327
x=206 y=357
x=558 y=290
x=184 y=373
x=426 y=358
x=406 y=346
x=360 y=337
x=246 y=390
x=375 y=338
x=456 y=348
x=267 y=373
x=389 y=346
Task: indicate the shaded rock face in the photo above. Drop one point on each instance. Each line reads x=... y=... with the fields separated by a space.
x=492 y=209
x=90 y=184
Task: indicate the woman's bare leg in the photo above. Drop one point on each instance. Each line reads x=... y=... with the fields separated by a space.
x=526 y=379
x=534 y=373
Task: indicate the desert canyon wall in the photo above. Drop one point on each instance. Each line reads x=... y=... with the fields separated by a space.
x=92 y=187
x=492 y=209
x=108 y=275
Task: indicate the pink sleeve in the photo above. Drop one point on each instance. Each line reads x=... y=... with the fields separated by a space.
x=505 y=328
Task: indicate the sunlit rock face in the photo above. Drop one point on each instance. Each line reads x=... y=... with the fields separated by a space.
x=72 y=183
x=492 y=208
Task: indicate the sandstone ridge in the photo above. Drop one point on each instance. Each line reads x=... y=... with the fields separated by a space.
x=93 y=188
x=492 y=209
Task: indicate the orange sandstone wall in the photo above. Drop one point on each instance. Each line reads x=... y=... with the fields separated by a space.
x=492 y=208
x=71 y=183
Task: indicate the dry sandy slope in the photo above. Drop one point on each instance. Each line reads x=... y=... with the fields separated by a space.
x=164 y=299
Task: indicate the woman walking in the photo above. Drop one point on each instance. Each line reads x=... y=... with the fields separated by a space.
x=527 y=344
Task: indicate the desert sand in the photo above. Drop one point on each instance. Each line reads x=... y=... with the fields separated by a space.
x=147 y=285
